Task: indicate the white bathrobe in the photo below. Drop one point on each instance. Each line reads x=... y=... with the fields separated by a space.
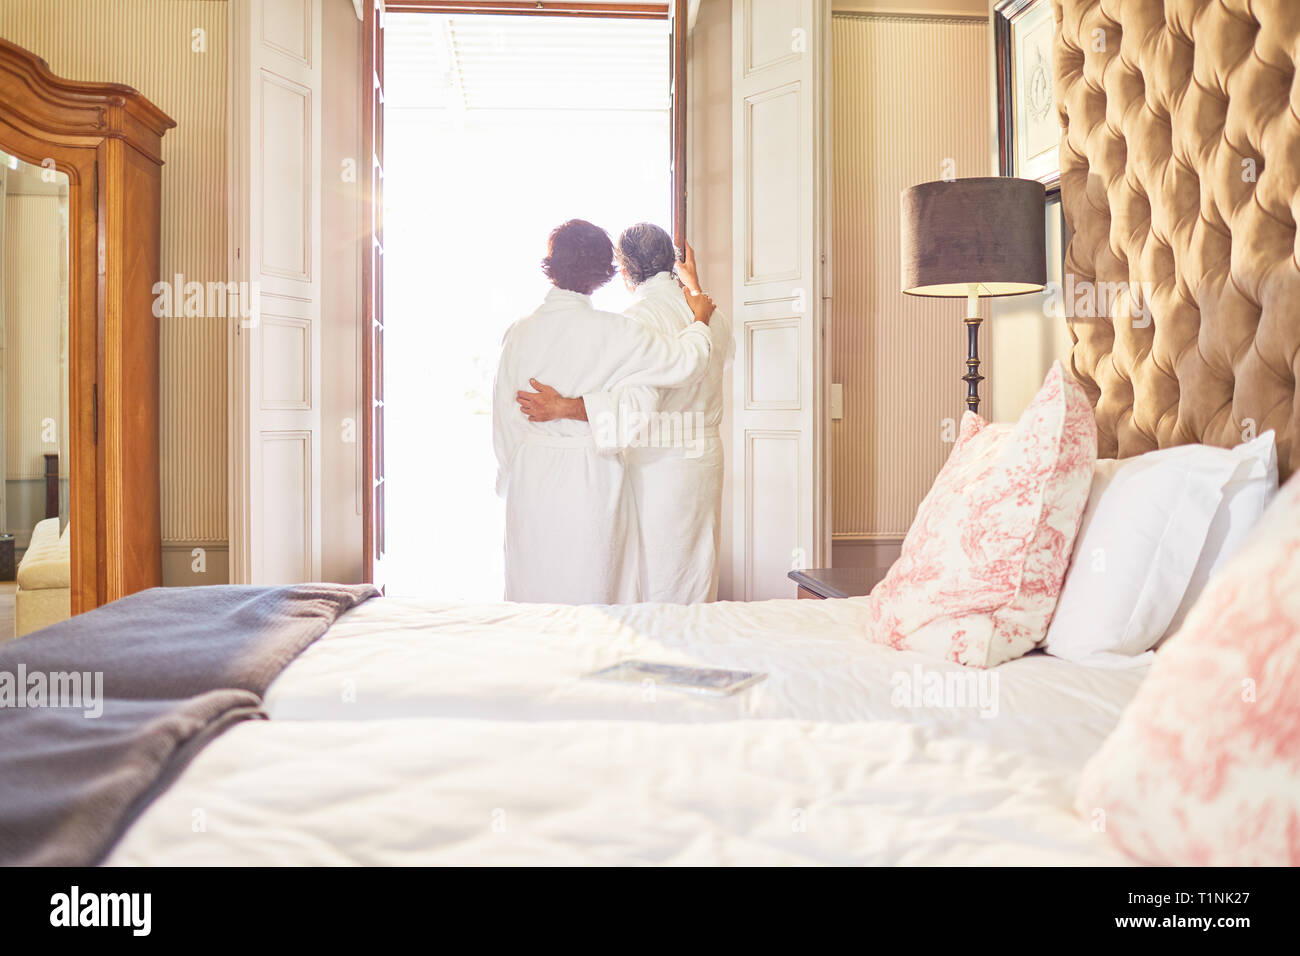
x=673 y=453
x=570 y=524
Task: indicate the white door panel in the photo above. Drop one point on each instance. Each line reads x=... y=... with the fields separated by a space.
x=276 y=79
x=779 y=90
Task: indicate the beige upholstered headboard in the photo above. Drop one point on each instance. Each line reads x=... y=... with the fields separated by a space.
x=1180 y=175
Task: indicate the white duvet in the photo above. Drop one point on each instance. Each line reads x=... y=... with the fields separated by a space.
x=428 y=733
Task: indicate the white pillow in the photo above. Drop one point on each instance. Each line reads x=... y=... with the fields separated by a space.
x=1247 y=493
x=1139 y=549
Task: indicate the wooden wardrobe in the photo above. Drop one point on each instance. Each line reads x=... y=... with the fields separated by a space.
x=107 y=138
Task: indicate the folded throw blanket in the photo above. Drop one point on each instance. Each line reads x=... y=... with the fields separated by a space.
x=99 y=713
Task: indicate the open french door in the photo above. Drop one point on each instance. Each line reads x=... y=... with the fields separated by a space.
x=780 y=401
x=372 y=292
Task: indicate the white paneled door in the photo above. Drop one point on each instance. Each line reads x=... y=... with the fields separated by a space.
x=780 y=55
x=275 y=173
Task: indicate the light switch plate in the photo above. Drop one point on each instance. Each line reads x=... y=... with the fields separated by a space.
x=837 y=401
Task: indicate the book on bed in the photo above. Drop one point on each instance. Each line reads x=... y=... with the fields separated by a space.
x=710 y=681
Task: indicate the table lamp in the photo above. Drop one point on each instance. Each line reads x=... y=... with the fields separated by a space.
x=966 y=238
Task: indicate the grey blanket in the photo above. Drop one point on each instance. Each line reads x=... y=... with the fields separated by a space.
x=98 y=714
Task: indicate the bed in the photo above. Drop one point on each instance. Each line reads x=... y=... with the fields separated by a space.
x=424 y=733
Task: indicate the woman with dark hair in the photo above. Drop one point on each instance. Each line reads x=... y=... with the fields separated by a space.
x=570 y=526
x=669 y=435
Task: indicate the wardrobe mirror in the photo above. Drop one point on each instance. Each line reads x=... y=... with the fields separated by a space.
x=34 y=367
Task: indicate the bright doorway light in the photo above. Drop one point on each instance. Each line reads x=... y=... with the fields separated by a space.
x=496 y=129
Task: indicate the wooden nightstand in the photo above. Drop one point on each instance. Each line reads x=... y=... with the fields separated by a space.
x=822 y=583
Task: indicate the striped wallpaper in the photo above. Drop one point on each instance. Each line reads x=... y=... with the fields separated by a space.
x=153 y=46
x=909 y=94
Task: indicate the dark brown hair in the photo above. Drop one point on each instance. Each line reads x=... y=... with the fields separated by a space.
x=579 y=257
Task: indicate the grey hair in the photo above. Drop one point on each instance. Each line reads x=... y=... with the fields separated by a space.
x=644 y=251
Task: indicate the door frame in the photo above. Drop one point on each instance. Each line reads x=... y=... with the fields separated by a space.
x=676 y=12
x=372 y=290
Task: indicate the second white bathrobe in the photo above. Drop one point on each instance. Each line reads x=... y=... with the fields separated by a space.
x=674 y=454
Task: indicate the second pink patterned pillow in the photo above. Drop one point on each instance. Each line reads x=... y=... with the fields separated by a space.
x=1204 y=767
x=982 y=565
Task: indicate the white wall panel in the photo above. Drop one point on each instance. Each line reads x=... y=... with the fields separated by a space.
x=767 y=38
x=774 y=371
x=286 y=28
x=286 y=181
x=284 y=363
x=774 y=186
x=285 y=492
x=773 y=465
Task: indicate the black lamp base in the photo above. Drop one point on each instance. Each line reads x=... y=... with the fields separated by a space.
x=972 y=378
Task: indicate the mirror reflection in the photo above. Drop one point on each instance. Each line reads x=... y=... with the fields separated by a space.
x=34 y=553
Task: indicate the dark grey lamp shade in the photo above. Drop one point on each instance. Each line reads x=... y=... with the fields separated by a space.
x=987 y=231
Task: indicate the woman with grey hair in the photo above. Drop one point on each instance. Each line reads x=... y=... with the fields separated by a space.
x=668 y=436
x=644 y=251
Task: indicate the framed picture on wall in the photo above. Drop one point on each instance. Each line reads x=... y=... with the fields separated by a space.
x=1029 y=133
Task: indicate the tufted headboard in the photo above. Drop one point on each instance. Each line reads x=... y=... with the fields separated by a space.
x=1180 y=181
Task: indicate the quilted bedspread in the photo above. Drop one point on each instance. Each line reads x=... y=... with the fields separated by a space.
x=425 y=733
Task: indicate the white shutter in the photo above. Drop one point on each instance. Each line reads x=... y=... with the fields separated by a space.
x=780 y=57
x=275 y=143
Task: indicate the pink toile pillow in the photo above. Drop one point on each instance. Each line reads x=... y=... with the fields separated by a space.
x=983 y=562
x=1204 y=766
